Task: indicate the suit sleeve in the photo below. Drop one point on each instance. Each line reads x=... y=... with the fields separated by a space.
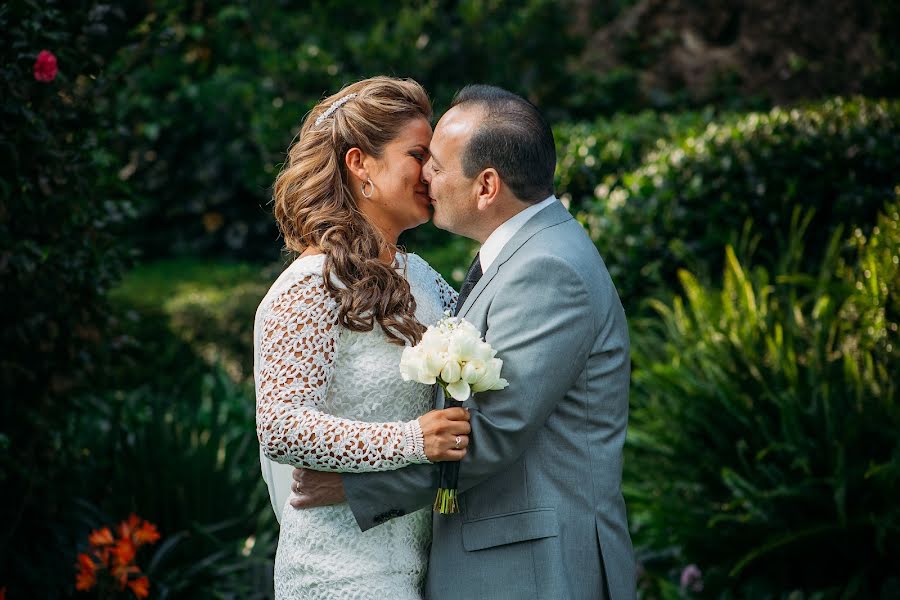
x=542 y=325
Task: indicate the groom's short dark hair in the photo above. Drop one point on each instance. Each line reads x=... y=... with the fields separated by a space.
x=513 y=138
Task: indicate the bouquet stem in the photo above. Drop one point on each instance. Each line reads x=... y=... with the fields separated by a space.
x=446 y=502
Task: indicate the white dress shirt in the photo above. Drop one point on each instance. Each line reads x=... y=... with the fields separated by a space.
x=493 y=246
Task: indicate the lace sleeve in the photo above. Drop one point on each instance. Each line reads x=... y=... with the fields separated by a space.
x=297 y=350
x=448 y=294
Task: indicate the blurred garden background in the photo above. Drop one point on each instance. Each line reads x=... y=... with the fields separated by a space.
x=737 y=164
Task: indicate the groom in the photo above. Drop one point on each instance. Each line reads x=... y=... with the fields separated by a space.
x=541 y=508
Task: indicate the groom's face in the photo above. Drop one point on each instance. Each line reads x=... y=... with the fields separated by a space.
x=453 y=195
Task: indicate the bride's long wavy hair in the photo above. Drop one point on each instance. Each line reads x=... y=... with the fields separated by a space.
x=314 y=205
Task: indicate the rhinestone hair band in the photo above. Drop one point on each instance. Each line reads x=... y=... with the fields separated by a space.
x=334 y=106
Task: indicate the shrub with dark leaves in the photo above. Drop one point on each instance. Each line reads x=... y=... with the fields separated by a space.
x=60 y=205
x=695 y=194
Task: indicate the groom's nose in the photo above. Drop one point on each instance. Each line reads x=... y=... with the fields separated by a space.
x=426 y=172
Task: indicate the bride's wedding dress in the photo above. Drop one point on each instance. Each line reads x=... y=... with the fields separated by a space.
x=332 y=399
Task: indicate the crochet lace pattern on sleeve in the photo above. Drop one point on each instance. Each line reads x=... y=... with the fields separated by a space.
x=447 y=295
x=297 y=357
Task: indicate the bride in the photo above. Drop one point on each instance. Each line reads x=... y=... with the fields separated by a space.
x=329 y=333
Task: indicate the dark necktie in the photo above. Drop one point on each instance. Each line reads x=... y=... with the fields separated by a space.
x=469 y=282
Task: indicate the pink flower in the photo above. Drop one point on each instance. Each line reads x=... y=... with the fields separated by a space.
x=691 y=579
x=45 y=67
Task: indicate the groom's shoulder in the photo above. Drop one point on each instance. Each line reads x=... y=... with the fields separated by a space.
x=559 y=253
x=567 y=242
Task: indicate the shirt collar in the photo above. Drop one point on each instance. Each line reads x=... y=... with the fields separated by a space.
x=493 y=246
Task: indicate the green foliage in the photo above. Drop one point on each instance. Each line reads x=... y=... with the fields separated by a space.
x=209 y=306
x=212 y=95
x=763 y=442
x=694 y=195
x=589 y=152
x=885 y=78
x=61 y=206
x=169 y=432
x=185 y=457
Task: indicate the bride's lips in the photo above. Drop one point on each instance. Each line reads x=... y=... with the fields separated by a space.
x=424 y=197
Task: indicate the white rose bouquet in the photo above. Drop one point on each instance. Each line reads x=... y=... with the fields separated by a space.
x=453 y=355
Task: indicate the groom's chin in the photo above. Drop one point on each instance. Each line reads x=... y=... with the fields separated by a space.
x=437 y=222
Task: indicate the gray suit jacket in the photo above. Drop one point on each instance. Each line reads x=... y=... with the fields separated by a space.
x=541 y=509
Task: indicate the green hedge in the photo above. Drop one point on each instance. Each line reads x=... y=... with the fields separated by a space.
x=209 y=306
x=590 y=152
x=763 y=441
x=694 y=194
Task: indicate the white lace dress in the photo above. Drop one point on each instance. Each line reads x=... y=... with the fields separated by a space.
x=332 y=399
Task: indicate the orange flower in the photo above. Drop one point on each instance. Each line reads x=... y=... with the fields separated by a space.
x=102 y=554
x=123 y=552
x=140 y=587
x=85 y=580
x=147 y=534
x=121 y=573
x=85 y=563
x=116 y=555
x=127 y=527
x=86 y=577
x=101 y=537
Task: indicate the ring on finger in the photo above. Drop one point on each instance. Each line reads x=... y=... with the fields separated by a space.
x=458 y=440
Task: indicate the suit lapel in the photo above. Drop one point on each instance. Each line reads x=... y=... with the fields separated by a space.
x=554 y=214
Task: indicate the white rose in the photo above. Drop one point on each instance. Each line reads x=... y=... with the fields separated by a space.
x=459 y=390
x=453 y=351
x=491 y=379
x=413 y=367
x=451 y=371
x=473 y=371
x=434 y=341
x=484 y=352
x=434 y=363
x=463 y=345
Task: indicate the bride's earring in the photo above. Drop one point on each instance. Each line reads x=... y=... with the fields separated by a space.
x=371 y=188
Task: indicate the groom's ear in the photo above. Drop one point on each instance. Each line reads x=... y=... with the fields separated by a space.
x=488 y=186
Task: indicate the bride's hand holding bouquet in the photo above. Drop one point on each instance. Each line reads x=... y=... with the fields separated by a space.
x=452 y=354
